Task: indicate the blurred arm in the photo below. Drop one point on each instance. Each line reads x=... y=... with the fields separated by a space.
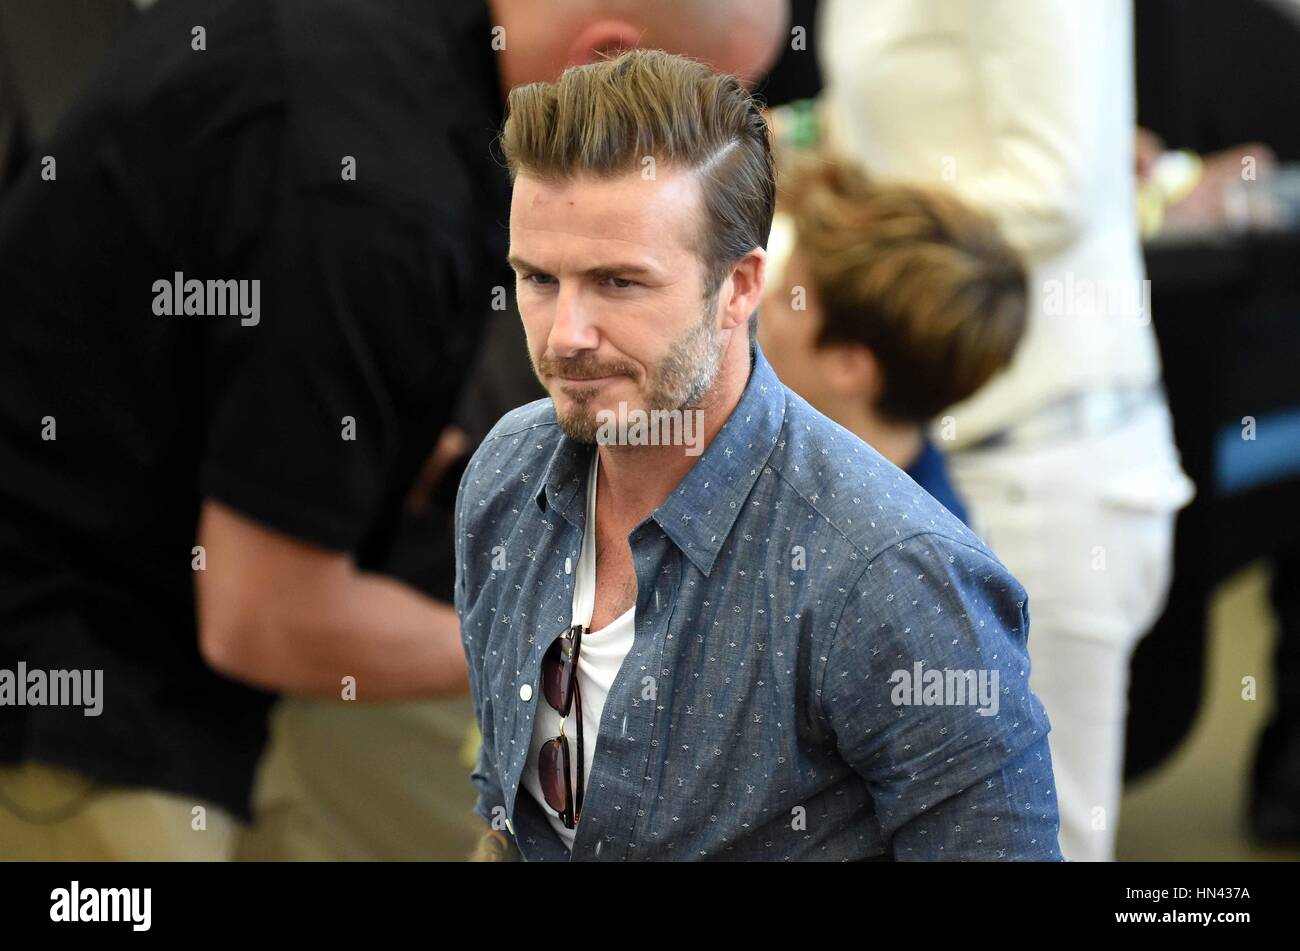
x=994 y=100
x=288 y=616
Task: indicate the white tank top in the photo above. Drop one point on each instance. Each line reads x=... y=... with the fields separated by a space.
x=599 y=659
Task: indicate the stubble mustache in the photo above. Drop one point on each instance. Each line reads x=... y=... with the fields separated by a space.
x=582 y=368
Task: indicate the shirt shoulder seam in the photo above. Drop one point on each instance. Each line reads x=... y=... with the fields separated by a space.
x=874 y=553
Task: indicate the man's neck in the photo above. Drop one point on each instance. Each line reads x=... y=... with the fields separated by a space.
x=636 y=480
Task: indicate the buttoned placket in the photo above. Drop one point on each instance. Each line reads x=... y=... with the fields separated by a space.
x=530 y=676
x=626 y=762
x=620 y=777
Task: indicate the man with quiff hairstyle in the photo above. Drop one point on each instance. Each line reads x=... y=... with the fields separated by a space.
x=739 y=654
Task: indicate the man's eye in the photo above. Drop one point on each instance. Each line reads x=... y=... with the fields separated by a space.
x=622 y=282
x=539 y=280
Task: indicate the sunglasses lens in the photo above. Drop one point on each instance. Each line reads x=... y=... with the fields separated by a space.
x=557 y=676
x=553 y=676
x=553 y=765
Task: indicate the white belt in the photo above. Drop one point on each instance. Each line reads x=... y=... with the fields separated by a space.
x=1079 y=414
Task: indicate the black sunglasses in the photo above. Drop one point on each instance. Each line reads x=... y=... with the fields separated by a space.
x=560 y=685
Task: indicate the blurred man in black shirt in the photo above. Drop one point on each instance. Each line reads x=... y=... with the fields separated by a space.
x=234 y=293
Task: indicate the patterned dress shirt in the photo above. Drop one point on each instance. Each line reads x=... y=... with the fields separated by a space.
x=826 y=664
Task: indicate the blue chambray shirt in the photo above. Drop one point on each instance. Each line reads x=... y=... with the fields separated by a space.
x=780 y=586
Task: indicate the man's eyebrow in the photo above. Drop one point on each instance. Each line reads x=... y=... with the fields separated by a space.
x=622 y=270
x=605 y=270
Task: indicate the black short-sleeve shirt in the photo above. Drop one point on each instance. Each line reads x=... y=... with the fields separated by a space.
x=337 y=152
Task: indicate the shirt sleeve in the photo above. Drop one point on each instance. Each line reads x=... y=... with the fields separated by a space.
x=317 y=400
x=490 y=804
x=926 y=689
x=1008 y=815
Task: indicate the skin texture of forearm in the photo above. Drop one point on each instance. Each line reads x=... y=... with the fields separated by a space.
x=398 y=643
x=285 y=616
x=395 y=643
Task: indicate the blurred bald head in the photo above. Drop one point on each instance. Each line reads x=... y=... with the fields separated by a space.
x=543 y=37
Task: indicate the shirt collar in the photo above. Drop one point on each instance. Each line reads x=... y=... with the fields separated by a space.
x=700 y=513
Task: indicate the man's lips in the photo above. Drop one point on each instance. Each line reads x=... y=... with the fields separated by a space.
x=577 y=381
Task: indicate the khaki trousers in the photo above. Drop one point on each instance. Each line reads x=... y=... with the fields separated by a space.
x=48 y=813
x=366 y=782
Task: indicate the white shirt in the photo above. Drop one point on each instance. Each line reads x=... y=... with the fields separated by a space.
x=1026 y=109
x=600 y=656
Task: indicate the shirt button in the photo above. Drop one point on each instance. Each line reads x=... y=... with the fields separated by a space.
x=526 y=692
x=568 y=566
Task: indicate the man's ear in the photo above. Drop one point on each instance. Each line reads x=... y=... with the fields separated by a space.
x=602 y=39
x=743 y=289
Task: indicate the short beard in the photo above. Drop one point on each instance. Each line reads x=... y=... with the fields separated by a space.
x=680 y=381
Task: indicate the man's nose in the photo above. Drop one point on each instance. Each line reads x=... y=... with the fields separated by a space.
x=574 y=327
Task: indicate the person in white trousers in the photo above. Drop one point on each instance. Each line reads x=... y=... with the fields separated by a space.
x=1067 y=460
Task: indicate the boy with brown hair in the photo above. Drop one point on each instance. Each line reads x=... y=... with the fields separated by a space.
x=886 y=304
